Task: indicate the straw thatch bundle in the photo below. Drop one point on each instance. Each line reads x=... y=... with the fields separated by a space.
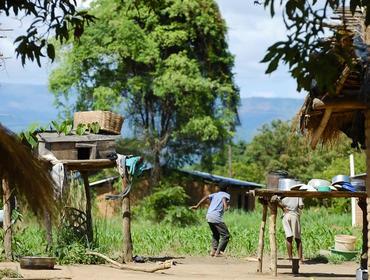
x=25 y=174
x=348 y=88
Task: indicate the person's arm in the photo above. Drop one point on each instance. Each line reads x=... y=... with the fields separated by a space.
x=199 y=203
x=225 y=203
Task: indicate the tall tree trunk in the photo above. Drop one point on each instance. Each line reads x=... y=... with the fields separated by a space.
x=155 y=175
x=126 y=227
x=7 y=223
x=230 y=160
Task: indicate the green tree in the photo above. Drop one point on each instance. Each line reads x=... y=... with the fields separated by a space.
x=169 y=61
x=277 y=147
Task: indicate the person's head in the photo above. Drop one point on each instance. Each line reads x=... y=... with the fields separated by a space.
x=223 y=188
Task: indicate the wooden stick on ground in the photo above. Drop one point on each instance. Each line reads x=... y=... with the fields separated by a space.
x=162 y=266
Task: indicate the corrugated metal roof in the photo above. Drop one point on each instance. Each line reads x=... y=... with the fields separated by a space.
x=222 y=180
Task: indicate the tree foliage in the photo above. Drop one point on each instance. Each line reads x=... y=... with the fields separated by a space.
x=57 y=17
x=276 y=147
x=308 y=55
x=170 y=63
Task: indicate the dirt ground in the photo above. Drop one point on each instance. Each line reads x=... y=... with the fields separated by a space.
x=194 y=268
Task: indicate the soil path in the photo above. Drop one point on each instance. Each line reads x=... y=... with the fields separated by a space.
x=195 y=268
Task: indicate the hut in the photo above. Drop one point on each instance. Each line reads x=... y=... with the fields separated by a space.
x=345 y=109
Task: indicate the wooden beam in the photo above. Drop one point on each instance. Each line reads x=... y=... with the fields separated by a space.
x=272 y=231
x=306 y=194
x=364 y=259
x=261 y=239
x=88 y=164
x=340 y=105
x=89 y=222
x=342 y=79
x=367 y=180
x=126 y=226
x=318 y=132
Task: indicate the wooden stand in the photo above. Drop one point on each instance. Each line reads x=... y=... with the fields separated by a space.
x=265 y=197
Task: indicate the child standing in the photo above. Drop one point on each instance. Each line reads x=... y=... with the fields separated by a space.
x=218 y=205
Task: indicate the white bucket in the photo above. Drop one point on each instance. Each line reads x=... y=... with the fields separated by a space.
x=345 y=242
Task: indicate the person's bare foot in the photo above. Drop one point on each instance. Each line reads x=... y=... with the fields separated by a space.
x=220 y=254
x=212 y=253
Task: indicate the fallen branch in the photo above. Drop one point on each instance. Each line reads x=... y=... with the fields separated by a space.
x=161 y=266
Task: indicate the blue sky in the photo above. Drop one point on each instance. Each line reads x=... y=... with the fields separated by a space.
x=250 y=32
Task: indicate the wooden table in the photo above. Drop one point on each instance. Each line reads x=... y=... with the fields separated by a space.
x=267 y=198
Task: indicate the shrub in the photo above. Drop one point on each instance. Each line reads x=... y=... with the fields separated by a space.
x=166 y=204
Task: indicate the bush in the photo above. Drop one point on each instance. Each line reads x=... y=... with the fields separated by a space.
x=166 y=204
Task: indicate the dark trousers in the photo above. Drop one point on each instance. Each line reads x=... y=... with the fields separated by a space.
x=220 y=236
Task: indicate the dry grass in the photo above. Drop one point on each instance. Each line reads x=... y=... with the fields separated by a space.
x=25 y=174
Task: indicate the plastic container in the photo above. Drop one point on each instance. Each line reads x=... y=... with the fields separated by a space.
x=345 y=243
x=361 y=274
x=347 y=255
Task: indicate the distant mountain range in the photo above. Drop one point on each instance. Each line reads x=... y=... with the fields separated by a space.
x=24 y=104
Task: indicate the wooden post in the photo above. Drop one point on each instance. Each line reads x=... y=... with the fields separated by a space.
x=364 y=259
x=126 y=227
x=7 y=223
x=48 y=228
x=261 y=239
x=272 y=230
x=367 y=182
x=88 y=206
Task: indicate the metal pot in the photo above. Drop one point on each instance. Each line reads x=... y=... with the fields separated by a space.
x=285 y=184
x=318 y=183
x=340 y=179
x=358 y=185
x=273 y=178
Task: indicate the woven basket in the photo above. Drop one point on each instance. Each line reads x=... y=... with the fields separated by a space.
x=108 y=121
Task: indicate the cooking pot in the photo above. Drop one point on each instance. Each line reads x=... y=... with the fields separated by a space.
x=358 y=185
x=286 y=183
x=318 y=183
x=340 y=179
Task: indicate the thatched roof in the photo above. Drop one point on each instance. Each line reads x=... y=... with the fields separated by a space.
x=324 y=115
x=25 y=173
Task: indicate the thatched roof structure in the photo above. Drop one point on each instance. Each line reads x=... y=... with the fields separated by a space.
x=25 y=173
x=324 y=115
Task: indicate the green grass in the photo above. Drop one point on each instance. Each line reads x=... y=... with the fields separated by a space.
x=318 y=230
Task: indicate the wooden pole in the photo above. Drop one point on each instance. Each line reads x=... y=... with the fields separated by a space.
x=89 y=223
x=48 y=228
x=364 y=259
x=7 y=223
x=367 y=135
x=272 y=230
x=261 y=239
x=126 y=226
